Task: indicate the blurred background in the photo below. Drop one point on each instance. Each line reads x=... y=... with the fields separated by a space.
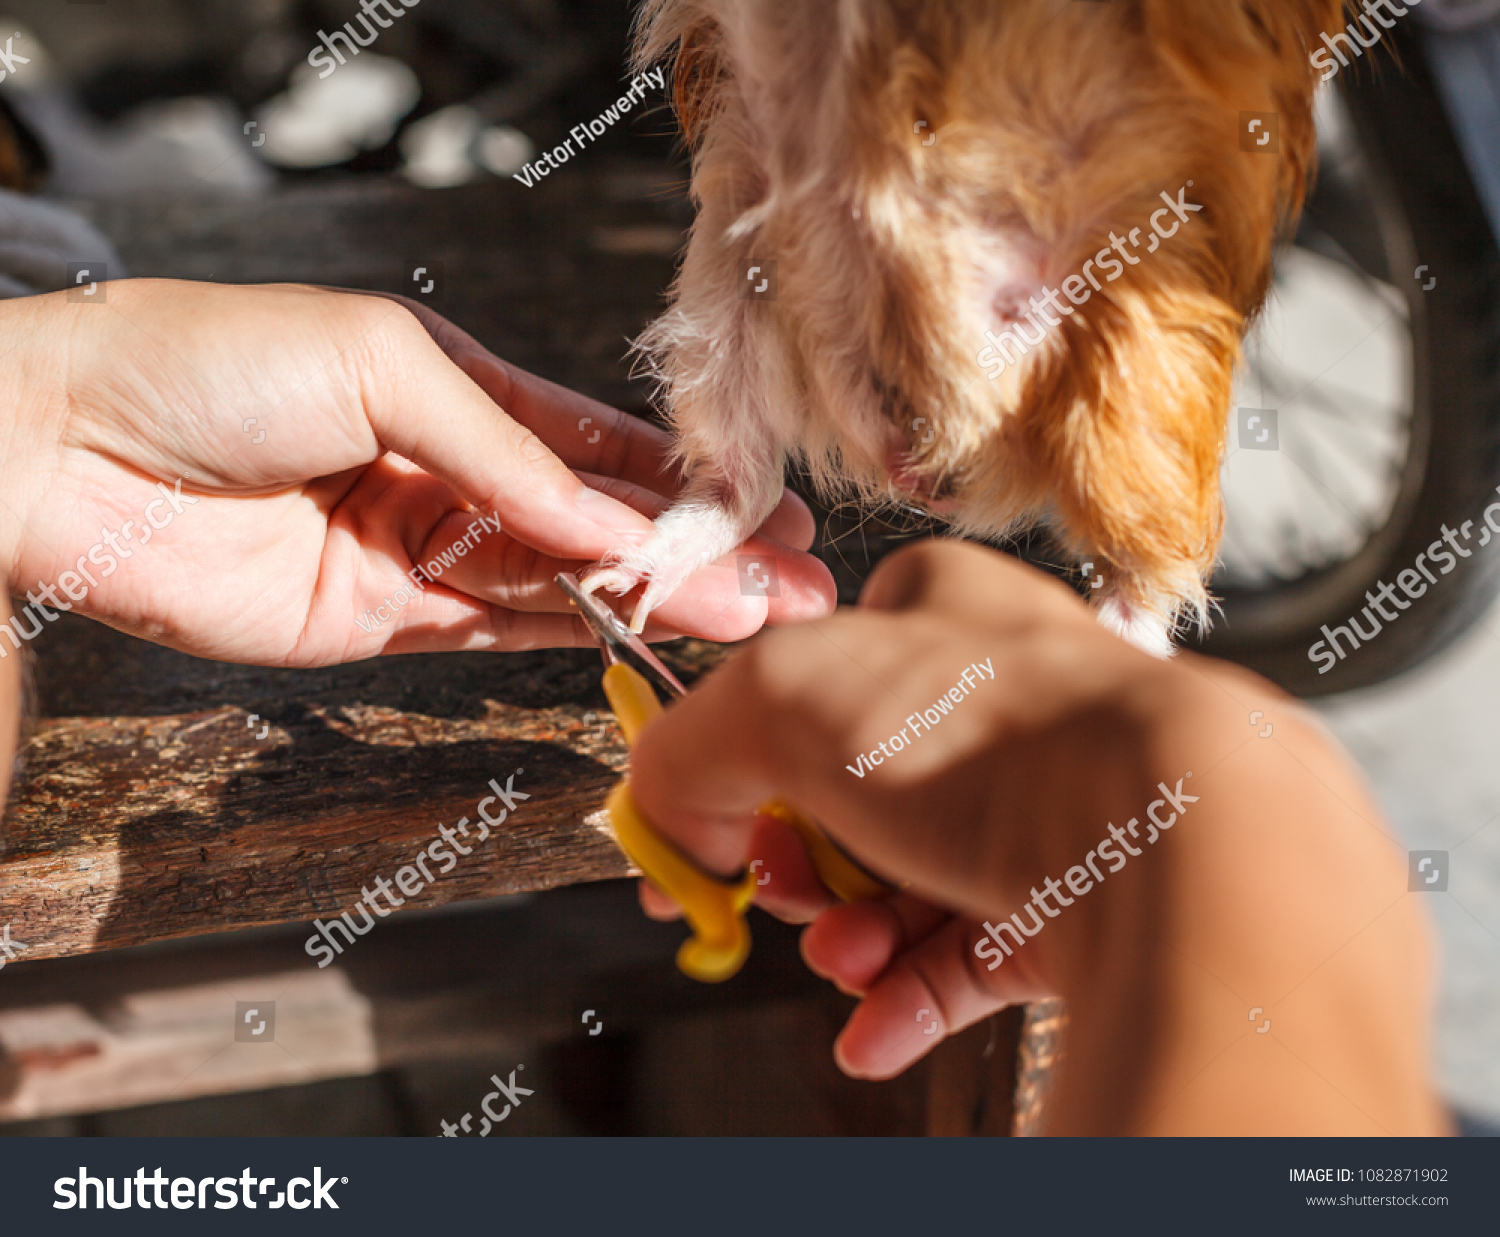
x=193 y=139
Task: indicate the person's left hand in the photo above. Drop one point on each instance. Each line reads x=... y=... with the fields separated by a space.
x=327 y=443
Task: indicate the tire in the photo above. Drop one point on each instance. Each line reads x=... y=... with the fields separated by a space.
x=1421 y=209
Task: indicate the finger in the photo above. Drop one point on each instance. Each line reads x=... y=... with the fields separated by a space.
x=787 y=883
x=713 y=605
x=470 y=557
x=640 y=452
x=398 y=520
x=585 y=434
x=656 y=904
x=853 y=945
x=425 y=409
x=931 y=991
x=499 y=466
x=791 y=523
x=591 y=437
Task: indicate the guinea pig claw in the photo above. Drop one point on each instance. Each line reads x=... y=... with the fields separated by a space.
x=650 y=599
x=614 y=580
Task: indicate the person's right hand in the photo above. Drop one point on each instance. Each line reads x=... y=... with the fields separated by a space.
x=1278 y=890
x=962 y=819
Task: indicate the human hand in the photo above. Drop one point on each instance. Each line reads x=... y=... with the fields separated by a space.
x=1284 y=891
x=940 y=816
x=326 y=443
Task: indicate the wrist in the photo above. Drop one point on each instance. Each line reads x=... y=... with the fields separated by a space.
x=29 y=387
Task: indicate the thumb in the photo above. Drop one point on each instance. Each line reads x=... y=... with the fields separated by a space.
x=426 y=409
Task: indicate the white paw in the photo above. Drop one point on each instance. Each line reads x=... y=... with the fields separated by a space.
x=687 y=538
x=1148 y=631
x=653 y=564
x=612 y=579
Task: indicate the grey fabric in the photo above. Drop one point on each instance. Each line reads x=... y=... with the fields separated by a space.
x=38 y=239
x=1458 y=14
x=1467 y=67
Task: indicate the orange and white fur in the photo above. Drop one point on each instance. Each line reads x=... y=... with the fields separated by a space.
x=918 y=171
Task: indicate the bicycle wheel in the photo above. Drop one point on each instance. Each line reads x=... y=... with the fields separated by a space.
x=1375 y=377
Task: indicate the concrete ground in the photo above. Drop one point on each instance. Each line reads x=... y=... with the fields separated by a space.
x=1430 y=744
x=1333 y=356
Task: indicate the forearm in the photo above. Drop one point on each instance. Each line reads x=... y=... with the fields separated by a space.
x=10 y=705
x=1279 y=891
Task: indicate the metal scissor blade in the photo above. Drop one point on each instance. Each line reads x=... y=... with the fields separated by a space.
x=616 y=641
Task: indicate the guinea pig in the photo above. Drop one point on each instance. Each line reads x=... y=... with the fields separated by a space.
x=993 y=258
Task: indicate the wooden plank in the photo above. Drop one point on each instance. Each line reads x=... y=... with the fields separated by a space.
x=147 y=808
x=158 y=1023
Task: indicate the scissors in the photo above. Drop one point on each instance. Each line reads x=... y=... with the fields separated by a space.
x=714 y=906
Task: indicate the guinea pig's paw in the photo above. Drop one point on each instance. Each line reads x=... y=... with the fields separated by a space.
x=1147 y=630
x=662 y=565
x=612 y=577
x=652 y=565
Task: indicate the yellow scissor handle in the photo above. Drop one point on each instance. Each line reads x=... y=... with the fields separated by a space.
x=840 y=875
x=714 y=908
x=632 y=699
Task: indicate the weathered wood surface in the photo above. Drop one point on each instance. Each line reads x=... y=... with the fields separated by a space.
x=147 y=808
x=158 y=1023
